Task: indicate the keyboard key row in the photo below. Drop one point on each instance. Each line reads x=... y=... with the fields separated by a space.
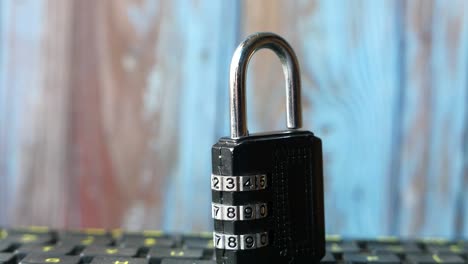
x=395 y=248
x=112 y=256
x=154 y=253
x=388 y=258
x=34 y=244
x=44 y=259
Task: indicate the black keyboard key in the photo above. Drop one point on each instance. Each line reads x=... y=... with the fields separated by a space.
x=29 y=238
x=31 y=229
x=118 y=260
x=434 y=259
x=155 y=255
x=147 y=242
x=388 y=240
x=93 y=251
x=5 y=245
x=147 y=233
x=84 y=240
x=203 y=243
x=3 y=234
x=28 y=235
x=342 y=247
x=370 y=258
x=88 y=232
x=454 y=248
x=202 y=235
x=462 y=243
x=333 y=238
x=49 y=259
x=86 y=237
x=187 y=261
x=48 y=249
x=434 y=241
x=328 y=259
x=202 y=240
x=7 y=258
x=403 y=248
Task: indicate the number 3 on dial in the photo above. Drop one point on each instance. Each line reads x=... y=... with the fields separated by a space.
x=229 y=184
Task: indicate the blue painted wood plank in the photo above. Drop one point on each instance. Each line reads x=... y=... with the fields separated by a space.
x=5 y=176
x=463 y=201
x=20 y=31
x=351 y=64
x=434 y=114
x=450 y=53
x=208 y=32
x=349 y=67
x=415 y=119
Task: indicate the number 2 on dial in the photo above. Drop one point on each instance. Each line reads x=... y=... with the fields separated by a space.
x=215 y=183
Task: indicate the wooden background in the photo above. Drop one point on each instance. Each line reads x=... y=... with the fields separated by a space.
x=108 y=109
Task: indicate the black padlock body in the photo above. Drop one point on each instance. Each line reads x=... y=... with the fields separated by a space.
x=292 y=162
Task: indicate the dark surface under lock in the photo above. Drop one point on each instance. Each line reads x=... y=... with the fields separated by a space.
x=45 y=246
x=292 y=161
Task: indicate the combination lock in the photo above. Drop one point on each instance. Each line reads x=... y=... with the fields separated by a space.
x=267 y=188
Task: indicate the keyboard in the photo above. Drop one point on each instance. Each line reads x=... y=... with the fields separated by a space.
x=39 y=245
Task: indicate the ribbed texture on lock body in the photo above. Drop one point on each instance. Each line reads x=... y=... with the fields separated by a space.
x=292 y=162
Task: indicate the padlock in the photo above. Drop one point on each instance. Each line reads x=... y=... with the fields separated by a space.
x=267 y=188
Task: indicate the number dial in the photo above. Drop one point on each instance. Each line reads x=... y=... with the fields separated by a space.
x=230 y=184
x=248 y=183
x=261 y=210
x=262 y=239
x=238 y=183
x=247 y=241
x=217 y=211
x=242 y=212
x=261 y=184
x=240 y=242
x=218 y=240
x=231 y=242
x=216 y=183
x=230 y=213
x=247 y=212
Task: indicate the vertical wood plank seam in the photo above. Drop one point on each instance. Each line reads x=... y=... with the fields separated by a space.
x=396 y=149
x=71 y=216
x=462 y=207
x=3 y=124
x=464 y=197
x=464 y=178
x=430 y=91
x=11 y=117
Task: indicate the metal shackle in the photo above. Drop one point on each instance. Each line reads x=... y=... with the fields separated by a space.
x=238 y=72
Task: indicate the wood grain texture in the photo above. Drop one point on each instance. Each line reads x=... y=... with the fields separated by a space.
x=349 y=98
x=434 y=114
x=108 y=109
x=135 y=112
x=208 y=32
x=33 y=138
